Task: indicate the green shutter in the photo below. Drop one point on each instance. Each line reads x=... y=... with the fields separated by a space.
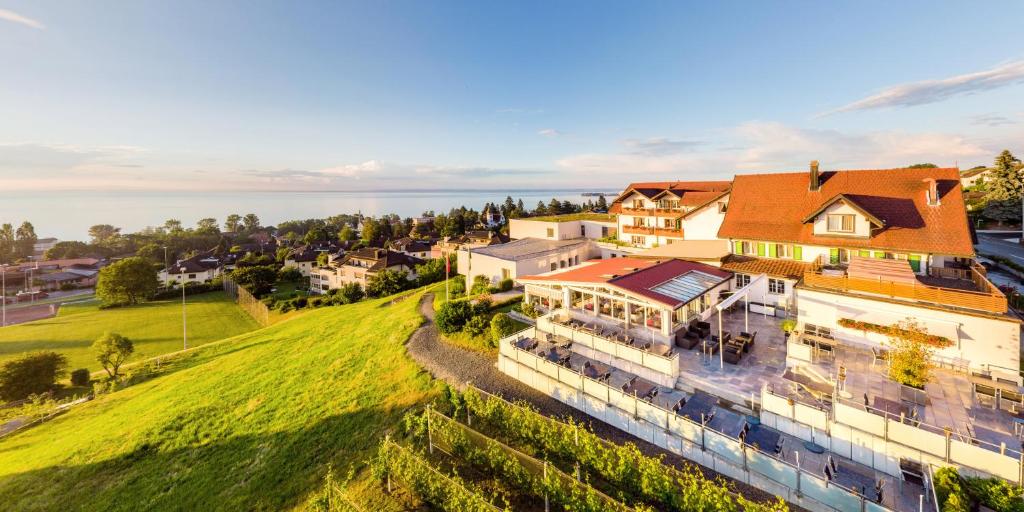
x=798 y=252
x=865 y=254
x=879 y=255
x=737 y=247
x=915 y=262
x=833 y=256
x=760 y=248
x=771 y=250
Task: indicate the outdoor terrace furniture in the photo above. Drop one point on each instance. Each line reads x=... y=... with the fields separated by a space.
x=699 y=407
x=732 y=353
x=709 y=346
x=640 y=389
x=526 y=343
x=865 y=485
x=889 y=407
x=763 y=439
x=749 y=340
x=557 y=355
x=913 y=471
x=880 y=354
x=704 y=328
x=596 y=371
x=687 y=339
x=642 y=345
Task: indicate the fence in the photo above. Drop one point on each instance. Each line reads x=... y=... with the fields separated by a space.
x=248 y=302
x=405 y=464
x=880 y=440
x=695 y=441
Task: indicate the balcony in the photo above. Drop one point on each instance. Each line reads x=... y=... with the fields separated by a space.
x=965 y=288
x=673 y=213
x=650 y=230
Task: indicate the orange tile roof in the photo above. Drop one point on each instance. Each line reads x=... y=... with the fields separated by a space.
x=773 y=267
x=691 y=193
x=772 y=207
x=594 y=271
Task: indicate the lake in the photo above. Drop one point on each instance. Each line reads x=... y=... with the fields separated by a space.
x=67 y=215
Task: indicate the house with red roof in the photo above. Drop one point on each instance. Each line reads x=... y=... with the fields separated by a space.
x=651 y=214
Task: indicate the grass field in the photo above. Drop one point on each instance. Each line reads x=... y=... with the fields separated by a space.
x=154 y=327
x=250 y=424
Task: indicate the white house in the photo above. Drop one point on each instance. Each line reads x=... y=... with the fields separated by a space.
x=523 y=257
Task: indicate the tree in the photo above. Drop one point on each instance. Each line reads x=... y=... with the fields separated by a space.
x=347 y=234
x=1005 y=182
x=257 y=279
x=128 y=281
x=350 y=293
x=453 y=315
x=602 y=203
x=1002 y=210
x=371 y=230
x=233 y=223
x=112 y=350
x=386 y=282
x=31 y=374
x=101 y=233
x=501 y=326
x=316 y=234
x=67 y=250
x=207 y=226
x=173 y=226
x=251 y=222
x=909 y=359
x=281 y=254
x=25 y=239
x=290 y=274
x=923 y=166
x=432 y=271
x=6 y=243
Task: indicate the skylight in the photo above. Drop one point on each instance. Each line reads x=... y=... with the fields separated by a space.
x=687 y=287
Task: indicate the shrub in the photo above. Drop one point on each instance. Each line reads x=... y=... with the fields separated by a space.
x=299 y=302
x=31 y=374
x=529 y=310
x=350 y=293
x=457 y=287
x=949 y=491
x=453 y=315
x=480 y=285
x=387 y=282
x=909 y=358
x=482 y=305
x=80 y=377
x=788 y=325
x=996 y=494
x=257 y=279
x=915 y=334
x=476 y=325
x=505 y=285
x=501 y=326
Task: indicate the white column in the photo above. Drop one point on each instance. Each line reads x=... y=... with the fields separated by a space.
x=597 y=305
x=666 y=322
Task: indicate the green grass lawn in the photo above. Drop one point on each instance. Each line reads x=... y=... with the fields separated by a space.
x=250 y=424
x=155 y=327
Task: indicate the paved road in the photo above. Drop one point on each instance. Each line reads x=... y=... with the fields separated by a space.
x=1001 y=246
x=456 y=366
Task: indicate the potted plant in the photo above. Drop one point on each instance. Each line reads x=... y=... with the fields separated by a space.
x=788 y=325
x=909 y=358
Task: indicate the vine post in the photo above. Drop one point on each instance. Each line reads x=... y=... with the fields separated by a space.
x=430 y=436
x=547 y=506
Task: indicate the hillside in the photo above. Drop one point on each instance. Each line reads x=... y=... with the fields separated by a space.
x=251 y=425
x=155 y=327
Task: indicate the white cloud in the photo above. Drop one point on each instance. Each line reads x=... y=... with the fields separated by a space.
x=992 y=119
x=353 y=170
x=22 y=20
x=773 y=147
x=932 y=91
x=549 y=133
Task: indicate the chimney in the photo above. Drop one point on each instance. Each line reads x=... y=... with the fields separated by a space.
x=932 y=194
x=815 y=179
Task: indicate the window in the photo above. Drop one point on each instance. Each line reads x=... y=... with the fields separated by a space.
x=551 y=232
x=191 y=276
x=742 y=280
x=749 y=248
x=638 y=203
x=844 y=256
x=554 y=266
x=783 y=251
x=576 y=259
x=840 y=223
x=639 y=222
x=583 y=230
x=638 y=240
x=722 y=206
x=604 y=231
x=562 y=264
x=776 y=286
x=505 y=274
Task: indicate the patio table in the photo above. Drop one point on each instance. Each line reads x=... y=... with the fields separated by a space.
x=697 y=405
x=764 y=439
x=597 y=371
x=888 y=406
x=641 y=388
x=526 y=343
x=558 y=354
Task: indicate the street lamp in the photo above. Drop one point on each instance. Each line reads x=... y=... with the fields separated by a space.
x=184 y=320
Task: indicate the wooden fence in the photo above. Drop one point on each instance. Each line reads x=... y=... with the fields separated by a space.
x=248 y=302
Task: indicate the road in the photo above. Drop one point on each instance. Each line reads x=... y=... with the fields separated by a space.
x=1001 y=245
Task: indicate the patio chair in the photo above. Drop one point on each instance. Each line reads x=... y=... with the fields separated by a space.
x=732 y=353
x=687 y=339
x=750 y=342
x=703 y=328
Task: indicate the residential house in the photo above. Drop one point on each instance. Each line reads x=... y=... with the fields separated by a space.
x=359 y=267
x=652 y=214
x=417 y=248
x=42 y=245
x=526 y=256
x=306 y=257
x=201 y=268
x=469 y=240
x=976 y=176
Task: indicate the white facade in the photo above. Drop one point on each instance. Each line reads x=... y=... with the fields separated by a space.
x=565 y=230
x=472 y=263
x=177 y=278
x=304 y=266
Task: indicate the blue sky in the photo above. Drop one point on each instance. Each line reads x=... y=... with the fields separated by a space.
x=349 y=96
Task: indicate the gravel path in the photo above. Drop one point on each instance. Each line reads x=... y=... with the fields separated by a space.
x=456 y=366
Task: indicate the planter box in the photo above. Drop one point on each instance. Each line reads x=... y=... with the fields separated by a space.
x=757 y=307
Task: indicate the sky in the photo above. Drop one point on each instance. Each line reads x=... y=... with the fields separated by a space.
x=254 y=95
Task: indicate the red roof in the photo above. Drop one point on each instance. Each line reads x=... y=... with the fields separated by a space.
x=594 y=271
x=773 y=207
x=641 y=281
x=690 y=193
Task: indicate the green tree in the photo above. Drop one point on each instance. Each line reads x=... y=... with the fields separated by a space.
x=69 y=249
x=281 y=254
x=909 y=359
x=1005 y=180
x=386 y=282
x=371 y=230
x=316 y=234
x=602 y=203
x=350 y=293
x=102 y=233
x=128 y=281
x=207 y=226
x=452 y=315
x=233 y=223
x=31 y=374
x=290 y=274
x=923 y=166
x=6 y=243
x=1002 y=210
x=347 y=234
x=251 y=222
x=152 y=252
x=173 y=226
x=25 y=240
x=501 y=326
x=257 y=279
x=112 y=350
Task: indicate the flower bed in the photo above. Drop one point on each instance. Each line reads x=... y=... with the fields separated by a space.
x=933 y=340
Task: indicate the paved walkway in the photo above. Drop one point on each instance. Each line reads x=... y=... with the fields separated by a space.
x=456 y=366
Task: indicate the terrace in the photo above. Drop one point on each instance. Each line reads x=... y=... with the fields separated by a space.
x=956 y=287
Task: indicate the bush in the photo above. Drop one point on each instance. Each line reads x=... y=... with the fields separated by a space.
x=501 y=326
x=80 y=377
x=996 y=494
x=257 y=279
x=529 y=310
x=31 y=374
x=190 y=289
x=66 y=287
x=909 y=359
x=453 y=315
x=949 y=491
x=350 y=293
x=482 y=305
x=480 y=285
x=476 y=325
x=387 y=282
x=505 y=285
x=457 y=288
x=290 y=274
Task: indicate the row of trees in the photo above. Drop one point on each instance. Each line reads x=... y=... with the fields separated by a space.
x=17 y=244
x=38 y=373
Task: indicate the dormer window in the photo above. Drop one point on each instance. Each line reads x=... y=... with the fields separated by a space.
x=840 y=223
x=638 y=203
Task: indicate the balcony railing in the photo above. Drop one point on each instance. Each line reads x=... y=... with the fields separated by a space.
x=638 y=230
x=652 y=230
x=988 y=298
x=654 y=212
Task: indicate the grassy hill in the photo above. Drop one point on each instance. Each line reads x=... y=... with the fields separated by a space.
x=155 y=327
x=250 y=425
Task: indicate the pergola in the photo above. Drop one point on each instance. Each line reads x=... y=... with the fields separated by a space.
x=743 y=293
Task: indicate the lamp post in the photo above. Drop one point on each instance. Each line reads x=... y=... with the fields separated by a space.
x=184 y=320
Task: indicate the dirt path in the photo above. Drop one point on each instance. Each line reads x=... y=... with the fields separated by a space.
x=456 y=366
